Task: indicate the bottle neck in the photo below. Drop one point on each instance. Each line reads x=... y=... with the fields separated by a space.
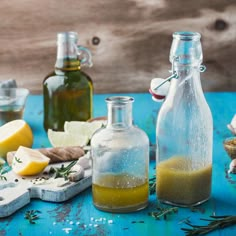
x=67 y=56
x=186 y=72
x=188 y=81
x=119 y=112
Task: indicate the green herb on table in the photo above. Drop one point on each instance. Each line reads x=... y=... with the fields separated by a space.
x=18 y=160
x=2 y=172
x=152 y=185
x=32 y=216
x=63 y=171
x=216 y=222
x=197 y=209
x=163 y=212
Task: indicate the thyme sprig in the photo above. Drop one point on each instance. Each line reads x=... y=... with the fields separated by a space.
x=2 y=172
x=163 y=212
x=63 y=171
x=216 y=222
x=32 y=216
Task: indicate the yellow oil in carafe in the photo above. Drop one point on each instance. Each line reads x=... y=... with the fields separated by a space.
x=179 y=184
x=115 y=192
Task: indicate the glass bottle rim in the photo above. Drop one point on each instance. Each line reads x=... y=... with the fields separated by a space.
x=64 y=36
x=119 y=100
x=187 y=35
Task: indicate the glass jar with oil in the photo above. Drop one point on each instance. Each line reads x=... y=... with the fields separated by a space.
x=68 y=90
x=120 y=155
x=12 y=104
x=184 y=130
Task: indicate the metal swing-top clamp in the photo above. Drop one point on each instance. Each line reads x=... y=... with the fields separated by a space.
x=159 y=87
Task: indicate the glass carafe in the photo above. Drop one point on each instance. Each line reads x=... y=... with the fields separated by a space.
x=68 y=90
x=184 y=130
x=120 y=154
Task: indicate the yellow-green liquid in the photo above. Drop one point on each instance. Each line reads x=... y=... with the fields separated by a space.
x=120 y=193
x=179 y=184
x=67 y=96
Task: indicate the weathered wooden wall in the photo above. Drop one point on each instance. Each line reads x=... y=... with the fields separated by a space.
x=129 y=39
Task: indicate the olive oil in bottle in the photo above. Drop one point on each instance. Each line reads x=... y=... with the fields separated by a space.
x=67 y=90
x=120 y=156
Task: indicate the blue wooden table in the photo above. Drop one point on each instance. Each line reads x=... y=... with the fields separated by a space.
x=78 y=215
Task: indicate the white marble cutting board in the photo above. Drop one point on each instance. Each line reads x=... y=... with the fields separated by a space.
x=17 y=191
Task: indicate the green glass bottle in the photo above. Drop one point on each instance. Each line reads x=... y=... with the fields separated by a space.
x=68 y=91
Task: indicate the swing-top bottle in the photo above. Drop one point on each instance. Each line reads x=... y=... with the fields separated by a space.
x=184 y=130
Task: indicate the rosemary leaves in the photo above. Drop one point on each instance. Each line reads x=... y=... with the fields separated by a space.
x=2 y=172
x=18 y=159
x=63 y=171
x=32 y=216
x=215 y=222
x=163 y=212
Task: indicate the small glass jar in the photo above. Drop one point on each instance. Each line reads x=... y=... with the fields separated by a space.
x=120 y=154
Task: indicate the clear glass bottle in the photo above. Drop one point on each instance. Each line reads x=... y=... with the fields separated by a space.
x=68 y=90
x=184 y=130
x=120 y=154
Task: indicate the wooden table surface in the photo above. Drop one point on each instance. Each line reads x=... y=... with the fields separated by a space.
x=78 y=215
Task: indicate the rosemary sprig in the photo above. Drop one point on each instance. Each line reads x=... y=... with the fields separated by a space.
x=63 y=171
x=163 y=212
x=216 y=222
x=32 y=216
x=2 y=172
x=152 y=185
x=18 y=159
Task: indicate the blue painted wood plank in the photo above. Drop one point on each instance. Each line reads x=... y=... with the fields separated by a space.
x=79 y=217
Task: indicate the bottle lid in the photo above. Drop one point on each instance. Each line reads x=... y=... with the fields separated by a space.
x=158 y=89
x=185 y=51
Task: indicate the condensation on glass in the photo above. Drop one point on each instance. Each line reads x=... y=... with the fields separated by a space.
x=184 y=130
x=120 y=155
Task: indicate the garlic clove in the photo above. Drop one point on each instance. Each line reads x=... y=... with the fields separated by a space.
x=85 y=161
x=77 y=173
x=232 y=167
x=232 y=125
x=60 y=182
